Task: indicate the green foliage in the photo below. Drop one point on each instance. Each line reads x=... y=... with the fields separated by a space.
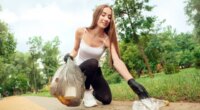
x=197 y=56
x=185 y=59
x=176 y=50
x=193 y=12
x=16 y=84
x=35 y=44
x=170 y=63
x=130 y=21
x=109 y=73
x=7 y=50
x=21 y=63
x=7 y=42
x=154 y=50
x=184 y=42
x=113 y=78
x=131 y=56
x=184 y=46
x=132 y=24
x=50 y=56
x=23 y=71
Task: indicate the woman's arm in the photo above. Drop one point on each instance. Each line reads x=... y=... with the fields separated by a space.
x=123 y=71
x=78 y=35
x=117 y=62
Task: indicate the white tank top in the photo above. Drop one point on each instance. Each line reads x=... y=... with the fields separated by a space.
x=87 y=52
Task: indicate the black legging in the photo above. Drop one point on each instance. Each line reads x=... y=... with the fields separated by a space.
x=95 y=78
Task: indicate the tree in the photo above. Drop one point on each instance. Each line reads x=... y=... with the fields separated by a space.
x=35 y=54
x=192 y=9
x=132 y=58
x=196 y=55
x=154 y=50
x=7 y=42
x=132 y=24
x=109 y=72
x=170 y=53
x=7 y=50
x=50 y=56
x=185 y=46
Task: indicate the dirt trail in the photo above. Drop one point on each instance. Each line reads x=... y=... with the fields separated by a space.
x=49 y=103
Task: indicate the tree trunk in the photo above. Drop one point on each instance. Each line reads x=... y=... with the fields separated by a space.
x=34 y=78
x=146 y=61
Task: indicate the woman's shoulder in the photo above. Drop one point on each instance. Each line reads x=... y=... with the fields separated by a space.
x=80 y=30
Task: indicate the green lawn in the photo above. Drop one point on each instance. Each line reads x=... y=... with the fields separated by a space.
x=182 y=86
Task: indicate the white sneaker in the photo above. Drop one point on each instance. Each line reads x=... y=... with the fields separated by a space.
x=89 y=100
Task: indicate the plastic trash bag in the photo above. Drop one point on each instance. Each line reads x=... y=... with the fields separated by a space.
x=68 y=84
x=149 y=104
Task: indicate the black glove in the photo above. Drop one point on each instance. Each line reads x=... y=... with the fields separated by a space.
x=67 y=56
x=138 y=89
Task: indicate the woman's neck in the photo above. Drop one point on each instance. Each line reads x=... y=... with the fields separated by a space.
x=98 y=32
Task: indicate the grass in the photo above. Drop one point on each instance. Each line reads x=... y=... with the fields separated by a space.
x=44 y=92
x=182 y=86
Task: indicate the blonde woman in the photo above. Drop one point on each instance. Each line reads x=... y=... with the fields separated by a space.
x=90 y=43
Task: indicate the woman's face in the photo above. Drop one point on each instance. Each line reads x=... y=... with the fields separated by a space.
x=105 y=18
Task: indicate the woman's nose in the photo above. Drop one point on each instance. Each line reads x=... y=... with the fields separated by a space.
x=106 y=19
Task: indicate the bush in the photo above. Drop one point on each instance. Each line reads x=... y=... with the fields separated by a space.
x=170 y=68
x=170 y=63
x=196 y=54
x=16 y=85
x=186 y=59
x=113 y=78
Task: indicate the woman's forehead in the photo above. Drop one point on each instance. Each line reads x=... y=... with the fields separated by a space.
x=107 y=10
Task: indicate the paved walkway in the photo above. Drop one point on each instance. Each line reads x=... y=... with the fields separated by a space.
x=49 y=103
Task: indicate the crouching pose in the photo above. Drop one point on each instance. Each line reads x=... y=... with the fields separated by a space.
x=90 y=43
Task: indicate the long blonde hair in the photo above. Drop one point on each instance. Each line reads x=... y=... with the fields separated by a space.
x=110 y=30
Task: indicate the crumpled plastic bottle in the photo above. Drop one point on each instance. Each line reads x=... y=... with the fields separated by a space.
x=149 y=104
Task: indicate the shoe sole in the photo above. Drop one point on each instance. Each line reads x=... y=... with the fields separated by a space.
x=90 y=106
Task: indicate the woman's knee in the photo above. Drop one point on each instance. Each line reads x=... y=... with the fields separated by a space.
x=104 y=98
x=107 y=100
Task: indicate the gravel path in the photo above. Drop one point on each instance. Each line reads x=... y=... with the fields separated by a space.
x=49 y=103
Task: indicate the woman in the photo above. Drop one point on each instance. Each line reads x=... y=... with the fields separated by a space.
x=90 y=44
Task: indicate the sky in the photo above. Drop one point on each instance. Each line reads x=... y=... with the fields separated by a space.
x=50 y=18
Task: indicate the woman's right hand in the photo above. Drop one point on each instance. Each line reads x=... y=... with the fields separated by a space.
x=67 y=56
x=138 y=89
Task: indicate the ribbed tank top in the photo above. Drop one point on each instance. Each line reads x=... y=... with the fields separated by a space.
x=87 y=52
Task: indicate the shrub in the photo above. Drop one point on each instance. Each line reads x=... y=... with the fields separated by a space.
x=196 y=54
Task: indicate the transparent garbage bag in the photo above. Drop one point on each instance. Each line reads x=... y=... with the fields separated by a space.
x=149 y=104
x=68 y=84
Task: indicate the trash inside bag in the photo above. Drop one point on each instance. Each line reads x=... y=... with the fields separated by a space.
x=149 y=104
x=68 y=84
